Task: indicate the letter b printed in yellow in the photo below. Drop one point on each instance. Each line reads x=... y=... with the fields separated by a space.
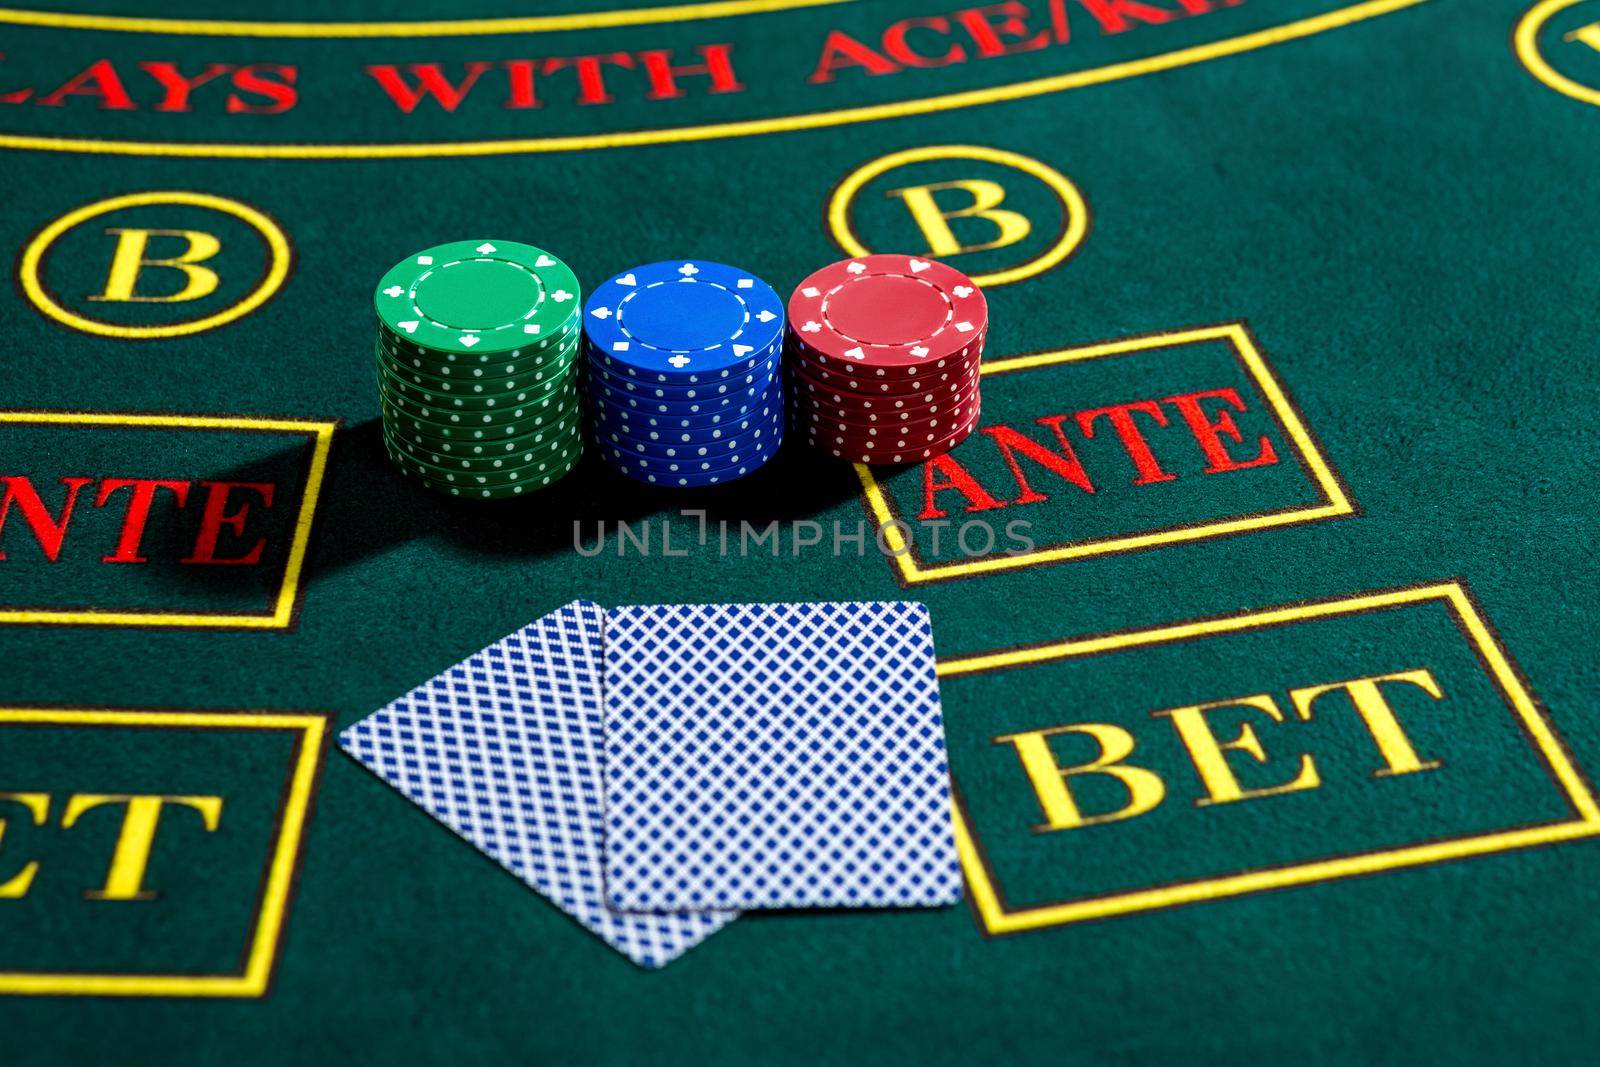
x=934 y=222
x=1050 y=780
x=129 y=261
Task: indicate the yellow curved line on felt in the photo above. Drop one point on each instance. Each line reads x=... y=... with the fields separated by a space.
x=277 y=242
x=641 y=16
x=1071 y=198
x=1249 y=42
x=1525 y=39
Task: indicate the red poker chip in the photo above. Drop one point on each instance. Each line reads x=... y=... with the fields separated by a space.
x=931 y=413
x=820 y=430
x=872 y=385
x=887 y=451
x=905 y=417
x=884 y=444
x=945 y=415
x=891 y=311
x=902 y=416
x=798 y=349
x=833 y=396
x=951 y=444
x=940 y=412
x=830 y=382
x=949 y=414
x=810 y=393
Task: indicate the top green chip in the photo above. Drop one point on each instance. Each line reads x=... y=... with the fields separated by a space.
x=478 y=296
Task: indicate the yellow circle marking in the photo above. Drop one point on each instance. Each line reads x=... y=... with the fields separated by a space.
x=1075 y=225
x=1183 y=57
x=33 y=259
x=1526 y=41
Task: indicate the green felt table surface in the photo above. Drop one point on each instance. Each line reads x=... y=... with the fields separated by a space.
x=1332 y=263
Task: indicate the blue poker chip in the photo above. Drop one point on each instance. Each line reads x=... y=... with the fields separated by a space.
x=701 y=427
x=689 y=459
x=691 y=479
x=655 y=442
x=672 y=448
x=603 y=394
x=658 y=431
x=607 y=371
x=710 y=431
x=763 y=362
x=702 y=394
x=684 y=321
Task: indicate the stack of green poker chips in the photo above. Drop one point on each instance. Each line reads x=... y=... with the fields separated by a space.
x=477 y=380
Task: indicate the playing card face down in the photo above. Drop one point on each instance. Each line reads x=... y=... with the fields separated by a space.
x=775 y=756
x=505 y=748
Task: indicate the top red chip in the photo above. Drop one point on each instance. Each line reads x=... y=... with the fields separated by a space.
x=889 y=311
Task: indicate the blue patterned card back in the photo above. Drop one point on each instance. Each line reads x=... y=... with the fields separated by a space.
x=505 y=748
x=775 y=756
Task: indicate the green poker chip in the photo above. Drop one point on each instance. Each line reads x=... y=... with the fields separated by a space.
x=479 y=426
x=431 y=436
x=508 y=491
x=530 y=394
x=488 y=449
x=483 y=365
x=530 y=433
x=481 y=298
x=539 y=472
x=547 y=457
x=534 y=352
x=531 y=412
x=468 y=433
x=433 y=374
x=544 y=453
x=475 y=363
x=528 y=378
x=473 y=385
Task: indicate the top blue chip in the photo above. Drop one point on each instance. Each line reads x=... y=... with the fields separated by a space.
x=684 y=321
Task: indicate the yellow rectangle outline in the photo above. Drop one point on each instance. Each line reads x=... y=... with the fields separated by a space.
x=1337 y=504
x=280 y=873
x=984 y=891
x=282 y=613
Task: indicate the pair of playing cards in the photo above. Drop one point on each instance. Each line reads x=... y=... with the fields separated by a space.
x=655 y=770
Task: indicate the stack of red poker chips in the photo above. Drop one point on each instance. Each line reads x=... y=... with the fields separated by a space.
x=882 y=356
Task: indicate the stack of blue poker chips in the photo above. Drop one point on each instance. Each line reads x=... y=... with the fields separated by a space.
x=684 y=381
